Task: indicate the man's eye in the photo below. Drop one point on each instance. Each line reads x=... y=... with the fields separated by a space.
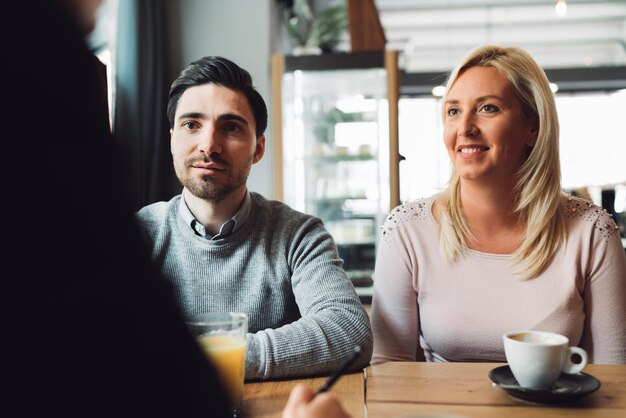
x=190 y=124
x=232 y=127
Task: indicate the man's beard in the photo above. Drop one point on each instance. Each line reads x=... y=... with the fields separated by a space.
x=207 y=189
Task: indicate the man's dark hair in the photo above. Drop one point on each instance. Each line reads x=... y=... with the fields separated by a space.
x=223 y=72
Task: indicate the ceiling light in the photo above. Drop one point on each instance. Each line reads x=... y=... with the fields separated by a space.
x=357 y=104
x=438 y=91
x=561 y=7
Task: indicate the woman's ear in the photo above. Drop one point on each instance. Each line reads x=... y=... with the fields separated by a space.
x=533 y=133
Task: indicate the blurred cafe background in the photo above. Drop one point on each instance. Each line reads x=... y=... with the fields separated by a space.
x=354 y=87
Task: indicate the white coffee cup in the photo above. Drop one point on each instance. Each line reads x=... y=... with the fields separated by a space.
x=537 y=358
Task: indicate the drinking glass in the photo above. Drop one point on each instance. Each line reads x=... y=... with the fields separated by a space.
x=222 y=336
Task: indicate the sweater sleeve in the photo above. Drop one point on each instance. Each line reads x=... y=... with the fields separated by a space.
x=332 y=319
x=395 y=316
x=604 y=335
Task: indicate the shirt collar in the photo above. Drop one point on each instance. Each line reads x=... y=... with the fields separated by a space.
x=228 y=228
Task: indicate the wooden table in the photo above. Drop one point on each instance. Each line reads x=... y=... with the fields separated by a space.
x=400 y=389
x=268 y=398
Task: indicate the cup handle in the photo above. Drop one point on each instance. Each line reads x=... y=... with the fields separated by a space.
x=573 y=368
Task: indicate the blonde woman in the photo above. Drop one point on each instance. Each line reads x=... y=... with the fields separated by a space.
x=502 y=248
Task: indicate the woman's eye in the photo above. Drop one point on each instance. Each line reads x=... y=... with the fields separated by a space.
x=452 y=111
x=489 y=108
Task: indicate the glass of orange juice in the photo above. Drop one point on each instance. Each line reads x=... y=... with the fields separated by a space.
x=222 y=336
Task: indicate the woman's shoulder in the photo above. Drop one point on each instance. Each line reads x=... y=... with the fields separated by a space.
x=413 y=211
x=583 y=213
x=417 y=208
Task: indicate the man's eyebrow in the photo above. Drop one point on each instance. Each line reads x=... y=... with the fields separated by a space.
x=233 y=116
x=224 y=117
x=192 y=115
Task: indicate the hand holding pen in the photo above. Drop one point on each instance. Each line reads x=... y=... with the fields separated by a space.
x=343 y=367
x=304 y=403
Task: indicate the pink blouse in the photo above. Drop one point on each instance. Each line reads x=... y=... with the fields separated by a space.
x=425 y=308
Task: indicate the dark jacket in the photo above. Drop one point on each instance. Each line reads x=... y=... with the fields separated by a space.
x=94 y=330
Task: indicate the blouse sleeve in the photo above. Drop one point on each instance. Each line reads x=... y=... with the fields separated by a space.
x=604 y=335
x=394 y=315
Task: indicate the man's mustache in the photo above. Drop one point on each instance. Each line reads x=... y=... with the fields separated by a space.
x=210 y=159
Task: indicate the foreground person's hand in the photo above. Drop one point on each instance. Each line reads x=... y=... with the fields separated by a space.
x=303 y=403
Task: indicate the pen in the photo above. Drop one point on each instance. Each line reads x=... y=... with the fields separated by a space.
x=337 y=373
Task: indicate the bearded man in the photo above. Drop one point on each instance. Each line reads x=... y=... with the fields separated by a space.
x=224 y=248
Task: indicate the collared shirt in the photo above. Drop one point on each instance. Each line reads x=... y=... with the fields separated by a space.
x=228 y=228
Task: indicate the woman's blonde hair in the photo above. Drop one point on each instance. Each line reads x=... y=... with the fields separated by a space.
x=538 y=182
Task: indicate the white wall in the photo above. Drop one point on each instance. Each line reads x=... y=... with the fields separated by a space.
x=240 y=30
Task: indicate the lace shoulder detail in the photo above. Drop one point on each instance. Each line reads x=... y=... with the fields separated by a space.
x=575 y=207
x=413 y=210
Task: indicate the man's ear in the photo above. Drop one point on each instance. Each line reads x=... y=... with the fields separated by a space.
x=259 y=149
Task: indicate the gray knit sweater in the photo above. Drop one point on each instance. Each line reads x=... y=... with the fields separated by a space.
x=281 y=268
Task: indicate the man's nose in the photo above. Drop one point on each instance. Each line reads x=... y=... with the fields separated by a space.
x=210 y=142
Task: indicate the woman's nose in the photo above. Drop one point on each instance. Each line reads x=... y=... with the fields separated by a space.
x=467 y=126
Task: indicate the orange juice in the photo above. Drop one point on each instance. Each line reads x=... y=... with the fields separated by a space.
x=228 y=354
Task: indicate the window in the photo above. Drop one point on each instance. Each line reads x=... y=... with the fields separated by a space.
x=592 y=145
x=101 y=41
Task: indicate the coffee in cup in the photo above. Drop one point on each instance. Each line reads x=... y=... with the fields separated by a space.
x=537 y=358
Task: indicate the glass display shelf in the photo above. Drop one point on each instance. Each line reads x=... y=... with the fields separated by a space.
x=335 y=126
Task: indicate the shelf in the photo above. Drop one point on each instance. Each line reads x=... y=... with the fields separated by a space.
x=364 y=291
x=365 y=294
x=363 y=284
x=339 y=199
x=360 y=276
x=337 y=60
x=335 y=132
x=339 y=158
x=355 y=243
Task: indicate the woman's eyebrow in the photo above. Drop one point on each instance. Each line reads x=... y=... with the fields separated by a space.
x=477 y=99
